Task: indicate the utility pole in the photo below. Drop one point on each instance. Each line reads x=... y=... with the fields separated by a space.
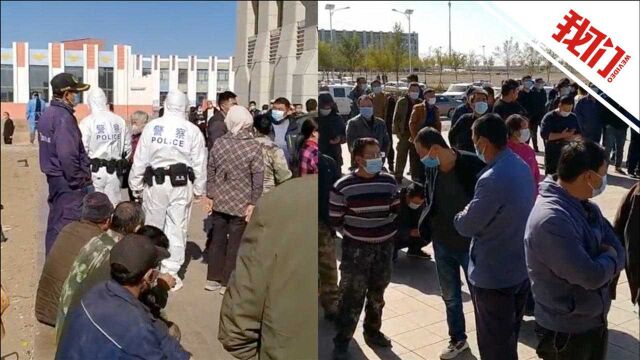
x=449 y=28
x=332 y=9
x=407 y=13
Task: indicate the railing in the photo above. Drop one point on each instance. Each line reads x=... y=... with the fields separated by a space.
x=300 y=39
x=274 y=41
x=251 y=46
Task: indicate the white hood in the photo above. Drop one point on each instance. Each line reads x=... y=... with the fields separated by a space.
x=176 y=103
x=97 y=100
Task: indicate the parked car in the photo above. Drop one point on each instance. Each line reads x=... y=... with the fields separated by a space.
x=339 y=94
x=457 y=91
x=447 y=105
x=396 y=87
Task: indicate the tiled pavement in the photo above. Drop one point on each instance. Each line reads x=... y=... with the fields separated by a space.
x=414 y=314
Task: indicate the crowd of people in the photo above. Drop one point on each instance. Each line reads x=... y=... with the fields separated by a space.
x=525 y=244
x=111 y=261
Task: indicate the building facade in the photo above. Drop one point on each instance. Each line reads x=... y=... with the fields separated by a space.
x=276 y=51
x=131 y=81
x=368 y=38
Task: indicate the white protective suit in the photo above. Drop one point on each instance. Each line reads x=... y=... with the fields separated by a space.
x=105 y=135
x=168 y=140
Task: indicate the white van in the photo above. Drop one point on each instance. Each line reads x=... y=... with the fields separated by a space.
x=339 y=94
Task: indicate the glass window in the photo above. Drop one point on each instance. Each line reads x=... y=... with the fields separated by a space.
x=146 y=71
x=183 y=75
x=223 y=75
x=78 y=72
x=6 y=95
x=164 y=75
x=105 y=81
x=39 y=80
x=339 y=92
x=203 y=75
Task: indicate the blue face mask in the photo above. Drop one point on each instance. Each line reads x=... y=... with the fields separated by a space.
x=277 y=115
x=373 y=166
x=480 y=154
x=366 y=112
x=430 y=162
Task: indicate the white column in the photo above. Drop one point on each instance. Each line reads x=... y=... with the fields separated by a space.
x=155 y=76
x=211 y=81
x=173 y=72
x=21 y=77
x=55 y=71
x=91 y=75
x=191 y=79
x=232 y=74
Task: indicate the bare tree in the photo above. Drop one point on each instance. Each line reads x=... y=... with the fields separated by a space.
x=349 y=48
x=440 y=60
x=508 y=53
x=472 y=60
x=457 y=61
x=531 y=59
x=489 y=64
x=397 y=49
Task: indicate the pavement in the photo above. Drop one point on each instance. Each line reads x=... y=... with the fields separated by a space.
x=414 y=314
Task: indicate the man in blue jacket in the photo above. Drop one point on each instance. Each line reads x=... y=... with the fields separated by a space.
x=111 y=322
x=35 y=108
x=62 y=156
x=572 y=256
x=495 y=220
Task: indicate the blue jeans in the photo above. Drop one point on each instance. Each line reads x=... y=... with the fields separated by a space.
x=448 y=263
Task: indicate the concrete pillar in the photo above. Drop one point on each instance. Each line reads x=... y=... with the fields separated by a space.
x=173 y=72
x=260 y=89
x=21 y=73
x=56 y=62
x=192 y=67
x=305 y=76
x=155 y=76
x=245 y=21
x=286 y=55
x=232 y=75
x=213 y=78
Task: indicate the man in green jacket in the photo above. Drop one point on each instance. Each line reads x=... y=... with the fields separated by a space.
x=270 y=307
x=401 y=116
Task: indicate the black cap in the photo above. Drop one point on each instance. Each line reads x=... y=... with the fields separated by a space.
x=137 y=254
x=67 y=82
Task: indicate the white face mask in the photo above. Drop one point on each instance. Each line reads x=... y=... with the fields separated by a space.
x=377 y=89
x=524 y=135
x=414 y=206
x=413 y=95
x=564 y=113
x=432 y=101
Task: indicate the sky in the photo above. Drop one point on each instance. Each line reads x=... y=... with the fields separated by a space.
x=181 y=28
x=471 y=24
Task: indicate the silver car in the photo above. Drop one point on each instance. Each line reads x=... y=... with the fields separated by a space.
x=447 y=105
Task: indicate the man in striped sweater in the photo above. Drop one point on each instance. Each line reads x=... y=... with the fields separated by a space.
x=363 y=207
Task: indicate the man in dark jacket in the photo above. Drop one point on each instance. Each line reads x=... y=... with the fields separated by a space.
x=216 y=127
x=390 y=106
x=465 y=108
x=451 y=180
x=63 y=158
x=408 y=236
x=331 y=127
x=615 y=134
x=508 y=105
x=627 y=227
x=533 y=99
x=358 y=90
x=572 y=255
x=285 y=131
x=8 y=128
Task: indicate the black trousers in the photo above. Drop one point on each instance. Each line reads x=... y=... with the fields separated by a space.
x=225 y=240
x=498 y=315
x=633 y=156
x=589 y=345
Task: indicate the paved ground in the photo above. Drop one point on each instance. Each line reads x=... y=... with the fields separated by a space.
x=414 y=314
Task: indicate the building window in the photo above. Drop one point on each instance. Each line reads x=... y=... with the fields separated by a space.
x=183 y=75
x=146 y=71
x=39 y=80
x=164 y=75
x=105 y=81
x=202 y=75
x=6 y=95
x=223 y=75
x=78 y=72
x=163 y=96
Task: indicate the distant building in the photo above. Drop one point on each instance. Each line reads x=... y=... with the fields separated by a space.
x=276 y=51
x=131 y=81
x=368 y=38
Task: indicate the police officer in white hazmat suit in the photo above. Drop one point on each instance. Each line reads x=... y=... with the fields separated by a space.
x=107 y=141
x=169 y=167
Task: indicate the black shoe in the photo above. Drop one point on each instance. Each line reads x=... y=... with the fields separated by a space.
x=620 y=171
x=377 y=340
x=418 y=254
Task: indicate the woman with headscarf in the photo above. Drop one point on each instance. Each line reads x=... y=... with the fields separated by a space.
x=331 y=127
x=234 y=184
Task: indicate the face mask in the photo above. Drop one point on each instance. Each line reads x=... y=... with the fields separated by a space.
x=414 y=206
x=252 y=107
x=524 y=135
x=363 y=86
x=565 y=113
x=325 y=112
x=539 y=86
x=432 y=101
x=413 y=95
x=366 y=112
x=373 y=166
x=528 y=84
x=277 y=115
x=430 y=162
x=377 y=89
x=480 y=107
x=480 y=154
x=600 y=190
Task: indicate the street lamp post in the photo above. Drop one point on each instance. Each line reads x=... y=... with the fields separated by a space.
x=332 y=9
x=407 y=13
x=449 y=28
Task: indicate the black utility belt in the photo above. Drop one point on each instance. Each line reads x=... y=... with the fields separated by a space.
x=179 y=174
x=113 y=165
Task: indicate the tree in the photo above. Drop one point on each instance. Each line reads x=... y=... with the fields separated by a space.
x=349 y=49
x=440 y=59
x=429 y=63
x=531 y=60
x=326 y=57
x=489 y=64
x=457 y=61
x=472 y=61
x=397 y=49
x=509 y=53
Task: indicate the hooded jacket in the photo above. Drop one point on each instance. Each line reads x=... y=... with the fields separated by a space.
x=569 y=273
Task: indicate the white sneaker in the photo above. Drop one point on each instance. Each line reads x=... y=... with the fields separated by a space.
x=454 y=349
x=178 y=285
x=223 y=289
x=212 y=285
